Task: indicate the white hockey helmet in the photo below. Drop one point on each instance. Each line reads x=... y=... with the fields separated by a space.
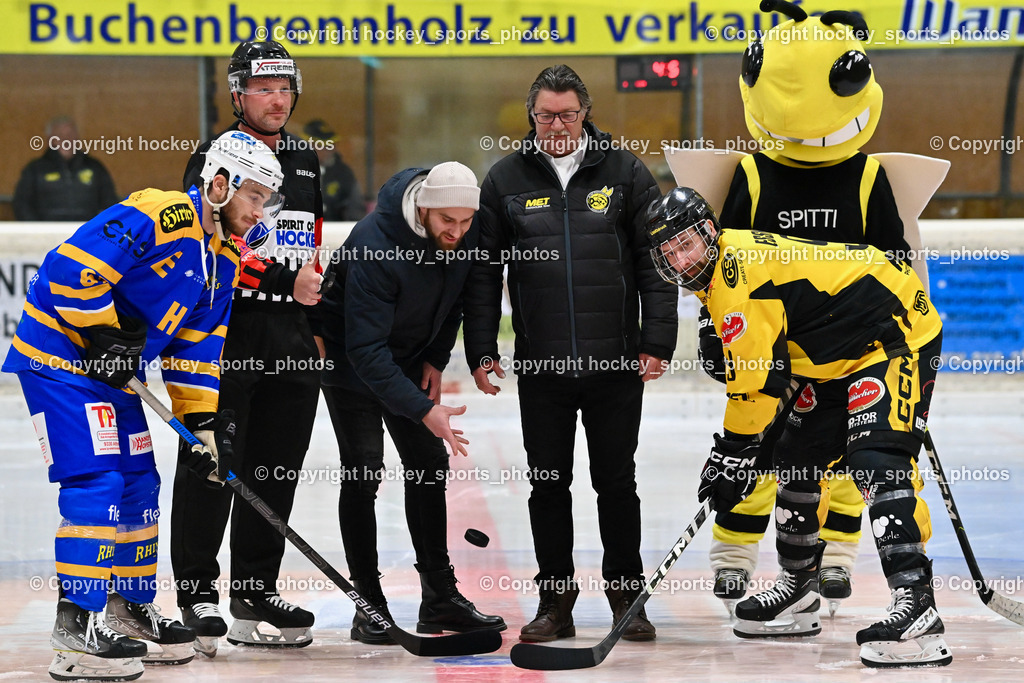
x=243 y=159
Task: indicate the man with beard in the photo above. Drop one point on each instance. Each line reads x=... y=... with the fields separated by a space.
x=387 y=328
x=147 y=280
x=269 y=353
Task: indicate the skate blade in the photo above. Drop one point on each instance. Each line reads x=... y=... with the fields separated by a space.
x=730 y=606
x=833 y=607
x=206 y=645
x=73 y=666
x=799 y=625
x=248 y=634
x=169 y=654
x=932 y=651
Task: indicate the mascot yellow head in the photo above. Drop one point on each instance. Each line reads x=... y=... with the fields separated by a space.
x=808 y=89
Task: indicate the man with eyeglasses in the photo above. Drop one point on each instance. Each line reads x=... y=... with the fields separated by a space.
x=269 y=355
x=593 y=323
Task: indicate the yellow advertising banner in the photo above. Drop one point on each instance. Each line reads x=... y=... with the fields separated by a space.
x=475 y=28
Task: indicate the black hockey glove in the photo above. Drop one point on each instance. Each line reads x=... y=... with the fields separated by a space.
x=215 y=457
x=709 y=347
x=730 y=473
x=114 y=353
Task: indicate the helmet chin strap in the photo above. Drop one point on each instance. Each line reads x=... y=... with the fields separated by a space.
x=219 y=232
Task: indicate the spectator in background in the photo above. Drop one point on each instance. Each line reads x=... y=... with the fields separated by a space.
x=342 y=198
x=63 y=184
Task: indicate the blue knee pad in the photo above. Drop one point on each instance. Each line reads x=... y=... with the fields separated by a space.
x=84 y=547
x=135 y=557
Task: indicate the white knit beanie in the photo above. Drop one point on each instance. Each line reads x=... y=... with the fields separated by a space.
x=449 y=185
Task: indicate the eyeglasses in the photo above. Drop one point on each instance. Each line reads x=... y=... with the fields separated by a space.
x=565 y=116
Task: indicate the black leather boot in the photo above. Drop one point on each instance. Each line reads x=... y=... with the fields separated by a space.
x=554 y=615
x=444 y=608
x=364 y=629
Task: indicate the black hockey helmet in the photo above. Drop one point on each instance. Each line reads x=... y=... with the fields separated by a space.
x=683 y=230
x=261 y=59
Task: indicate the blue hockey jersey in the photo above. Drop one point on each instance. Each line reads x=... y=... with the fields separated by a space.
x=147 y=257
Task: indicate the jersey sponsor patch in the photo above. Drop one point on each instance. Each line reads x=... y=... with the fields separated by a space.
x=733 y=327
x=864 y=393
x=140 y=443
x=598 y=200
x=39 y=422
x=102 y=428
x=807 y=401
x=176 y=217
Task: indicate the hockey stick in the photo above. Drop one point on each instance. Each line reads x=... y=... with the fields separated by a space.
x=531 y=656
x=998 y=603
x=471 y=643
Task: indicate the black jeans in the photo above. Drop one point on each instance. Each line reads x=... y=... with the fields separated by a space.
x=610 y=404
x=358 y=425
x=274 y=413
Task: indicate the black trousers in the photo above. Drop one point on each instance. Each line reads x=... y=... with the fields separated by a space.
x=610 y=405
x=274 y=411
x=358 y=422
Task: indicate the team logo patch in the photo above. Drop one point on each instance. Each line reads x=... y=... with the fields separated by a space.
x=102 y=428
x=808 y=400
x=730 y=270
x=176 y=217
x=39 y=422
x=140 y=443
x=921 y=302
x=864 y=393
x=733 y=327
x=598 y=200
x=85 y=176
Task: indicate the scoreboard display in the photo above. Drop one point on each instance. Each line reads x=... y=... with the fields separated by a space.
x=646 y=73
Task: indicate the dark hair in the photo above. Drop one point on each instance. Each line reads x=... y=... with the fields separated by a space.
x=558 y=78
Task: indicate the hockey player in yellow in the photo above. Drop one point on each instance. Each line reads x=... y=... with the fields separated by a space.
x=811 y=99
x=858 y=328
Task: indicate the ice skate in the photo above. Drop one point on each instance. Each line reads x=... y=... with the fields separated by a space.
x=204 y=618
x=144 y=622
x=912 y=619
x=291 y=623
x=835 y=584
x=731 y=586
x=86 y=649
x=789 y=608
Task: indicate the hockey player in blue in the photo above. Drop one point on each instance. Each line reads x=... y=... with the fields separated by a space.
x=148 y=280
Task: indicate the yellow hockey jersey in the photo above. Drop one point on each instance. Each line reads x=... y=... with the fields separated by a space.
x=788 y=307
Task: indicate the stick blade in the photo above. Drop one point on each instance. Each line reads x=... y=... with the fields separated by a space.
x=1007 y=607
x=543 y=658
x=470 y=643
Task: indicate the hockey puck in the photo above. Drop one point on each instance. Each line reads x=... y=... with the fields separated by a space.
x=477 y=538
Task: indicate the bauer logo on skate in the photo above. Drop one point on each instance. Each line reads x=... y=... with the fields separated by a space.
x=733 y=327
x=864 y=393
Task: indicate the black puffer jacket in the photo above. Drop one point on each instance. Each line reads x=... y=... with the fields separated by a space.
x=581 y=276
x=394 y=305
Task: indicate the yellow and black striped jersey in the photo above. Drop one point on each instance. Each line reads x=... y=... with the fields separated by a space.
x=788 y=307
